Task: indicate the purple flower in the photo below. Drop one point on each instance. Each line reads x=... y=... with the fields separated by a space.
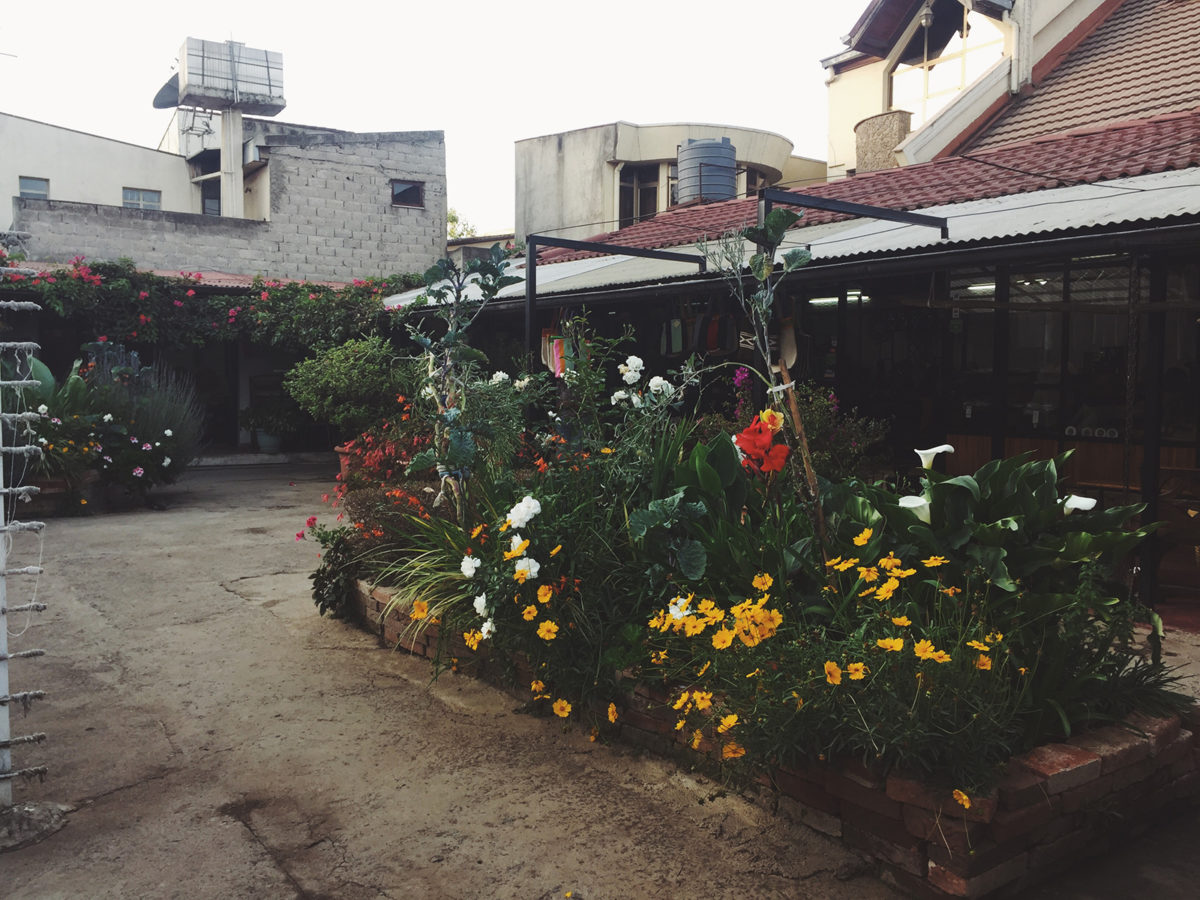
x=139 y=472
x=133 y=440
x=741 y=377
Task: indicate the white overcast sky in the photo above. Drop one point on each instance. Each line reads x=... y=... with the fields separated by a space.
x=485 y=73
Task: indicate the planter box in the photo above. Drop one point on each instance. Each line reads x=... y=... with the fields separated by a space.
x=1057 y=804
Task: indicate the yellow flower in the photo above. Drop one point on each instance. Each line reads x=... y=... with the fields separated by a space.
x=727 y=722
x=755 y=672
x=868 y=592
x=772 y=418
x=703 y=699
x=886 y=590
x=679 y=725
x=994 y=638
x=561 y=708
x=475 y=532
x=962 y=799
x=545 y=592
x=732 y=750
x=536 y=687
x=940 y=656
x=832 y=562
x=863 y=537
x=606 y=449
x=978 y=645
x=833 y=672
x=658 y=657
x=868 y=573
x=902 y=621
x=857 y=671
x=683 y=698
x=529 y=613
x=518 y=550
x=1022 y=670
x=924 y=649
x=763 y=582
x=697 y=736
x=420 y=609
x=890 y=562
x=704 y=668
x=612 y=712
x=934 y=561
x=903 y=573
x=722 y=638
x=547 y=630
x=984 y=663
x=892 y=645
x=472 y=639
x=951 y=591
x=557 y=547
x=847 y=564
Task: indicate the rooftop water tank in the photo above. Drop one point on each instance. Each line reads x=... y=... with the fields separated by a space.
x=707 y=170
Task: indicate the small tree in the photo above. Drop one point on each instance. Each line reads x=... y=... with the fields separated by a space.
x=458 y=227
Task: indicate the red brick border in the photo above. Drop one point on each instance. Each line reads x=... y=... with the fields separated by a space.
x=1055 y=804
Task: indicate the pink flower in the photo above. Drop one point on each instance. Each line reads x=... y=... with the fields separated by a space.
x=102 y=338
x=190 y=294
x=263 y=295
x=179 y=303
x=142 y=295
x=139 y=472
x=299 y=535
x=146 y=447
x=311 y=521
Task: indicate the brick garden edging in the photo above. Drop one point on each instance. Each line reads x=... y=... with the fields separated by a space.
x=1057 y=804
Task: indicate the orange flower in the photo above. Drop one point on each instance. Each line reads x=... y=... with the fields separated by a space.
x=561 y=708
x=732 y=750
x=833 y=672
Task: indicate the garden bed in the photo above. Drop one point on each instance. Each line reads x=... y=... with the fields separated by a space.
x=1056 y=804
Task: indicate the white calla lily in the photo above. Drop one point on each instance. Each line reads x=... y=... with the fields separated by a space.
x=928 y=456
x=1074 y=502
x=918 y=506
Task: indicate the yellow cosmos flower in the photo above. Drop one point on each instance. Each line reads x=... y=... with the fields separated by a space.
x=984 y=663
x=697 y=736
x=545 y=592
x=472 y=639
x=994 y=637
x=934 y=561
x=529 y=613
x=763 y=582
x=548 y=630
x=886 y=590
x=518 y=550
x=732 y=750
x=679 y=725
x=658 y=657
x=940 y=656
x=420 y=609
x=951 y=591
x=902 y=621
x=683 y=698
x=868 y=573
x=561 y=708
x=868 y=592
x=704 y=668
x=890 y=562
x=903 y=573
x=536 y=687
x=924 y=649
x=892 y=645
x=863 y=537
x=846 y=564
x=727 y=722
x=557 y=547
x=722 y=638
x=606 y=449
x=702 y=699
x=962 y=799
x=772 y=418
x=978 y=645
x=833 y=672
x=829 y=563
x=612 y=712
x=857 y=671
x=476 y=531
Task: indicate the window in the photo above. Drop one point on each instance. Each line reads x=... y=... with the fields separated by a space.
x=210 y=197
x=35 y=188
x=638 y=193
x=141 y=198
x=408 y=193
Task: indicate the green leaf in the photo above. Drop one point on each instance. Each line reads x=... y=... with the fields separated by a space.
x=692 y=559
x=794 y=259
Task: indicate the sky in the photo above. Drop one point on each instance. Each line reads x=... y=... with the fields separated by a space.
x=485 y=73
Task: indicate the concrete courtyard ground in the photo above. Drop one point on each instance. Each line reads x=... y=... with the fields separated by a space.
x=213 y=737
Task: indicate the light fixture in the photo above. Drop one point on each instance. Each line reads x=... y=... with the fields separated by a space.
x=926 y=20
x=982 y=288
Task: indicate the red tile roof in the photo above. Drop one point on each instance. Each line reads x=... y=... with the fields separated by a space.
x=1082 y=156
x=1142 y=61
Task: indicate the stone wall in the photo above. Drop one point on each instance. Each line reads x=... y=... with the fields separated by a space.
x=332 y=218
x=1055 y=805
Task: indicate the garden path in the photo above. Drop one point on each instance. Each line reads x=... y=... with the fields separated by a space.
x=217 y=739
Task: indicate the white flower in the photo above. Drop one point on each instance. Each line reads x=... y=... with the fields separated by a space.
x=631 y=369
x=43 y=409
x=514 y=542
x=166 y=461
x=636 y=400
x=1074 y=502
x=631 y=377
x=481 y=604
x=521 y=383
x=167 y=432
x=157 y=444
x=529 y=566
x=660 y=385
x=525 y=510
x=499 y=377
x=619 y=396
x=108 y=417
x=919 y=506
x=928 y=456
x=678 y=608
x=470 y=565
x=487 y=629
x=42 y=441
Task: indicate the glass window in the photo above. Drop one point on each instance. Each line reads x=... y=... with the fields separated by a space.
x=638 y=197
x=141 y=198
x=408 y=193
x=34 y=188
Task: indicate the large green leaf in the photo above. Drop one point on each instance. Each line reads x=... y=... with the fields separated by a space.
x=691 y=558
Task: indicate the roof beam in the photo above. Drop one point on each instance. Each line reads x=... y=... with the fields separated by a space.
x=534 y=241
x=809 y=201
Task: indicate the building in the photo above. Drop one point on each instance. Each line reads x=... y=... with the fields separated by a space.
x=581 y=182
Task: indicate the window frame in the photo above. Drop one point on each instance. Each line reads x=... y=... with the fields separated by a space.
x=24 y=192
x=142 y=199
x=410 y=184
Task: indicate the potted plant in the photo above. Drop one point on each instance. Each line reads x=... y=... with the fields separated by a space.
x=268 y=424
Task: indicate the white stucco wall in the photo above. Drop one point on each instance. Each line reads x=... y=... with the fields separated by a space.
x=86 y=168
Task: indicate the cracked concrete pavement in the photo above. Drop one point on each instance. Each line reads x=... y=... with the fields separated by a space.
x=215 y=738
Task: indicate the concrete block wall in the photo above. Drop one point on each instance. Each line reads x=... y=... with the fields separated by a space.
x=331 y=216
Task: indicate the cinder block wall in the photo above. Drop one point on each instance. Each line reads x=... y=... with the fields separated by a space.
x=331 y=216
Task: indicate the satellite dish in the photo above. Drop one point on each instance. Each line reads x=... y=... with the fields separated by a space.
x=168 y=95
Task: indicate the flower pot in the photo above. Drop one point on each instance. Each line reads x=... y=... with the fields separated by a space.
x=269 y=443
